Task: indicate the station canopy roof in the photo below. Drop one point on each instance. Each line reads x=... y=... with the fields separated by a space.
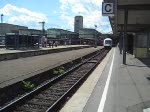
x=138 y=15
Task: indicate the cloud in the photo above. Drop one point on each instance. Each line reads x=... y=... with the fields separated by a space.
x=89 y=9
x=55 y=12
x=22 y=16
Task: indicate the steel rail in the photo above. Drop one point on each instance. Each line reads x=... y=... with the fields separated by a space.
x=46 y=85
x=57 y=104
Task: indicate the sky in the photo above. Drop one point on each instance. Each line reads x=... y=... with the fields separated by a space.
x=55 y=13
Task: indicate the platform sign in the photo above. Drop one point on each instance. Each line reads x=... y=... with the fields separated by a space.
x=108 y=9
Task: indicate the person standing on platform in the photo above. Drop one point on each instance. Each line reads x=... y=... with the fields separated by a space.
x=50 y=44
x=45 y=42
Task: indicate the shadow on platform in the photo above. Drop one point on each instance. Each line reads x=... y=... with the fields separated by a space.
x=146 y=62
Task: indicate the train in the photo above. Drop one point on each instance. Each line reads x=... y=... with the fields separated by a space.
x=107 y=43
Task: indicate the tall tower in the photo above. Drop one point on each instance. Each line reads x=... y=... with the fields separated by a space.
x=78 y=23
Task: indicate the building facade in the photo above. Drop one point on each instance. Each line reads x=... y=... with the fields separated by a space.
x=62 y=36
x=10 y=28
x=30 y=32
x=88 y=33
x=89 y=36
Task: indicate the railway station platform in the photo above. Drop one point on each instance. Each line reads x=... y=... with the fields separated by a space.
x=114 y=87
x=12 y=71
x=8 y=54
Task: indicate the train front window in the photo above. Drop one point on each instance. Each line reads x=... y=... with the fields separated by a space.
x=108 y=42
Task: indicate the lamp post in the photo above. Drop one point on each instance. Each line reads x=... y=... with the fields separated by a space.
x=95 y=37
x=69 y=36
x=1 y=32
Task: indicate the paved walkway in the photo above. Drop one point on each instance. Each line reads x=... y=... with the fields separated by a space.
x=124 y=89
x=19 y=69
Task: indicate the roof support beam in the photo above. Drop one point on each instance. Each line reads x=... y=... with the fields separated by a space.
x=136 y=25
x=125 y=35
x=134 y=7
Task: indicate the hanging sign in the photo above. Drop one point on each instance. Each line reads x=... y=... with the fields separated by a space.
x=108 y=9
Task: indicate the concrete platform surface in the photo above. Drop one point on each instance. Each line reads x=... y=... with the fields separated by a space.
x=12 y=71
x=5 y=51
x=124 y=88
x=8 y=54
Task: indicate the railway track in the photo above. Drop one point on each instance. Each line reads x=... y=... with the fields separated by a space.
x=51 y=95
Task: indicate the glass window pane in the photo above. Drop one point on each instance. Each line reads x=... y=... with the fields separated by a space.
x=142 y=40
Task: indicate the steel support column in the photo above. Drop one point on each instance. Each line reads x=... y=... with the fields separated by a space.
x=125 y=35
x=121 y=39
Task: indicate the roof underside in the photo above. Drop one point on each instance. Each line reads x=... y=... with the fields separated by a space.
x=138 y=15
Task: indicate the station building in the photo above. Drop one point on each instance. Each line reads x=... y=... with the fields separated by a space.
x=30 y=32
x=131 y=25
x=15 y=36
x=62 y=36
x=89 y=36
x=10 y=28
x=22 y=30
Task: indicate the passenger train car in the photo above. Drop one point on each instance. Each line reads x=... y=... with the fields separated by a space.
x=107 y=43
